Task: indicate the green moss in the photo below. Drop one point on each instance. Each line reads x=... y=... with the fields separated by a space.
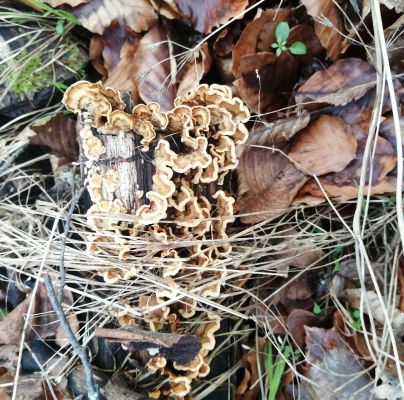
x=31 y=78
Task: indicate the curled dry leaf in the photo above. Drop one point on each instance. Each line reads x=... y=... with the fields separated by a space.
x=253 y=367
x=206 y=14
x=343 y=185
x=192 y=73
x=96 y=15
x=298 y=319
x=353 y=297
x=43 y=321
x=345 y=80
x=166 y=8
x=328 y=25
x=326 y=145
x=154 y=74
x=112 y=54
x=268 y=181
x=334 y=371
x=266 y=81
x=59 y=134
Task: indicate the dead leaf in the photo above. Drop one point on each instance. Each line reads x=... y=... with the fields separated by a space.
x=326 y=145
x=117 y=388
x=59 y=134
x=345 y=80
x=225 y=41
x=253 y=366
x=42 y=320
x=57 y=3
x=266 y=81
x=193 y=72
x=333 y=369
x=120 y=58
x=118 y=43
x=298 y=319
x=166 y=8
x=42 y=324
x=268 y=181
x=353 y=297
x=258 y=35
x=96 y=15
x=344 y=185
x=153 y=71
x=328 y=25
x=207 y=14
x=396 y=4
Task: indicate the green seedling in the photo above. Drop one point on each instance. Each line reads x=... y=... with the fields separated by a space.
x=275 y=366
x=316 y=309
x=282 y=34
x=356 y=318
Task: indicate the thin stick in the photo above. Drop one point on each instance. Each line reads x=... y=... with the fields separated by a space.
x=75 y=200
x=78 y=349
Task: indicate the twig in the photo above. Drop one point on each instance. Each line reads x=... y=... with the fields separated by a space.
x=11 y=159
x=75 y=200
x=78 y=349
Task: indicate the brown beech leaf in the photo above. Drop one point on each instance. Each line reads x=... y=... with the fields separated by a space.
x=266 y=81
x=345 y=80
x=326 y=145
x=72 y=3
x=192 y=73
x=153 y=70
x=206 y=14
x=59 y=134
x=43 y=322
x=156 y=74
x=268 y=181
x=120 y=46
x=343 y=185
x=258 y=35
x=118 y=43
x=298 y=319
x=253 y=363
x=325 y=13
x=96 y=15
x=334 y=371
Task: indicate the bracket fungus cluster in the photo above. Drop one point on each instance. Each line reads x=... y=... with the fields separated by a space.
x=159 y=177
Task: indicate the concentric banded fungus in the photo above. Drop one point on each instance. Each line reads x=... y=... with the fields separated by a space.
x=158 y=177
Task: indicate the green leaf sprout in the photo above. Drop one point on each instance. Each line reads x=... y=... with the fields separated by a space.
x=282 y=34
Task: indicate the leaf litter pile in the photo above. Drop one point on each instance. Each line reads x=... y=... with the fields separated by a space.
x=201 y=199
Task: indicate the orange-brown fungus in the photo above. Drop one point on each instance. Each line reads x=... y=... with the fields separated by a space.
x=188 y=151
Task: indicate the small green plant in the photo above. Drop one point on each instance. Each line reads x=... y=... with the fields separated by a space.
x=316 y=309
x=275 y=366
x=356 y=318
x=282 y=35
